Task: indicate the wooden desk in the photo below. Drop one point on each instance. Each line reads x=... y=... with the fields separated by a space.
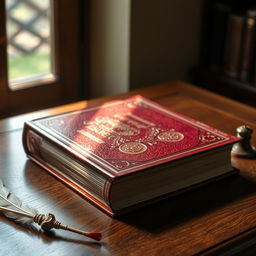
x=205 y=221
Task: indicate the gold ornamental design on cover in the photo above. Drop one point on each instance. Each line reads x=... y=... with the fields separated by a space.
x=133 y=147
x=170 y=136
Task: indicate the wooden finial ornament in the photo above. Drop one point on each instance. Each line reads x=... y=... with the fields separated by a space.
x=48 y=221
x=243 y=148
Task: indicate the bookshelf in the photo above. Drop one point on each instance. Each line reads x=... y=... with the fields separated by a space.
x=228 y=49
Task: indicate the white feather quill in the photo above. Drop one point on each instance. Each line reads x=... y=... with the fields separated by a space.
x=12 y=207
x=11 y=201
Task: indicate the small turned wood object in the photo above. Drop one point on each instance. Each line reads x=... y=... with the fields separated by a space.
x=243 y=148
x=47 y=221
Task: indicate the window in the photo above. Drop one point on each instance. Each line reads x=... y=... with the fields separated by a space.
x=40 y=54
x=30 y=40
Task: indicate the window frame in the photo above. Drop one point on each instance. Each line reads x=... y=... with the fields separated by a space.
x=66 y=85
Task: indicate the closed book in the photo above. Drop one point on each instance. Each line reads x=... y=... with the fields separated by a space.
x=126 y=153
x=233 y=45
x=248 y=47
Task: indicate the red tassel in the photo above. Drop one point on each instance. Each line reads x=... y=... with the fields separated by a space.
x=94 y=235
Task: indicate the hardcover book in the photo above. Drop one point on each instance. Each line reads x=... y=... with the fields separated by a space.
x=126 y=153
x=247 y=47
x=233 y=45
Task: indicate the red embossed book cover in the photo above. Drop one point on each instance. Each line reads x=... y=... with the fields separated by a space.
x=105 y=151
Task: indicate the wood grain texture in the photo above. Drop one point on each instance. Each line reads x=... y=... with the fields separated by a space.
x=201 y=222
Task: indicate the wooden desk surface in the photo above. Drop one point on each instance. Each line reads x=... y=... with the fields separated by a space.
x=204 y=221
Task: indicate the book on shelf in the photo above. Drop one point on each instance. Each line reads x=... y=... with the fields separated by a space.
x=233 y=45
x=231 y=41
x=127 y=153
x=248 y=47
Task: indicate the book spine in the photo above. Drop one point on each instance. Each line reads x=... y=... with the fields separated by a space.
x=80 y=178
x=248 y=47
x=233 y=45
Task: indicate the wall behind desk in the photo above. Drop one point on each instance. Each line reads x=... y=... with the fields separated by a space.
x=135 y=43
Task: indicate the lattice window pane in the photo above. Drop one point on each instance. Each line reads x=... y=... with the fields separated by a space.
x=29 y=39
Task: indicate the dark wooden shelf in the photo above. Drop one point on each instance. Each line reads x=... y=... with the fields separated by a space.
x=226 y=86
x=215 y=17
